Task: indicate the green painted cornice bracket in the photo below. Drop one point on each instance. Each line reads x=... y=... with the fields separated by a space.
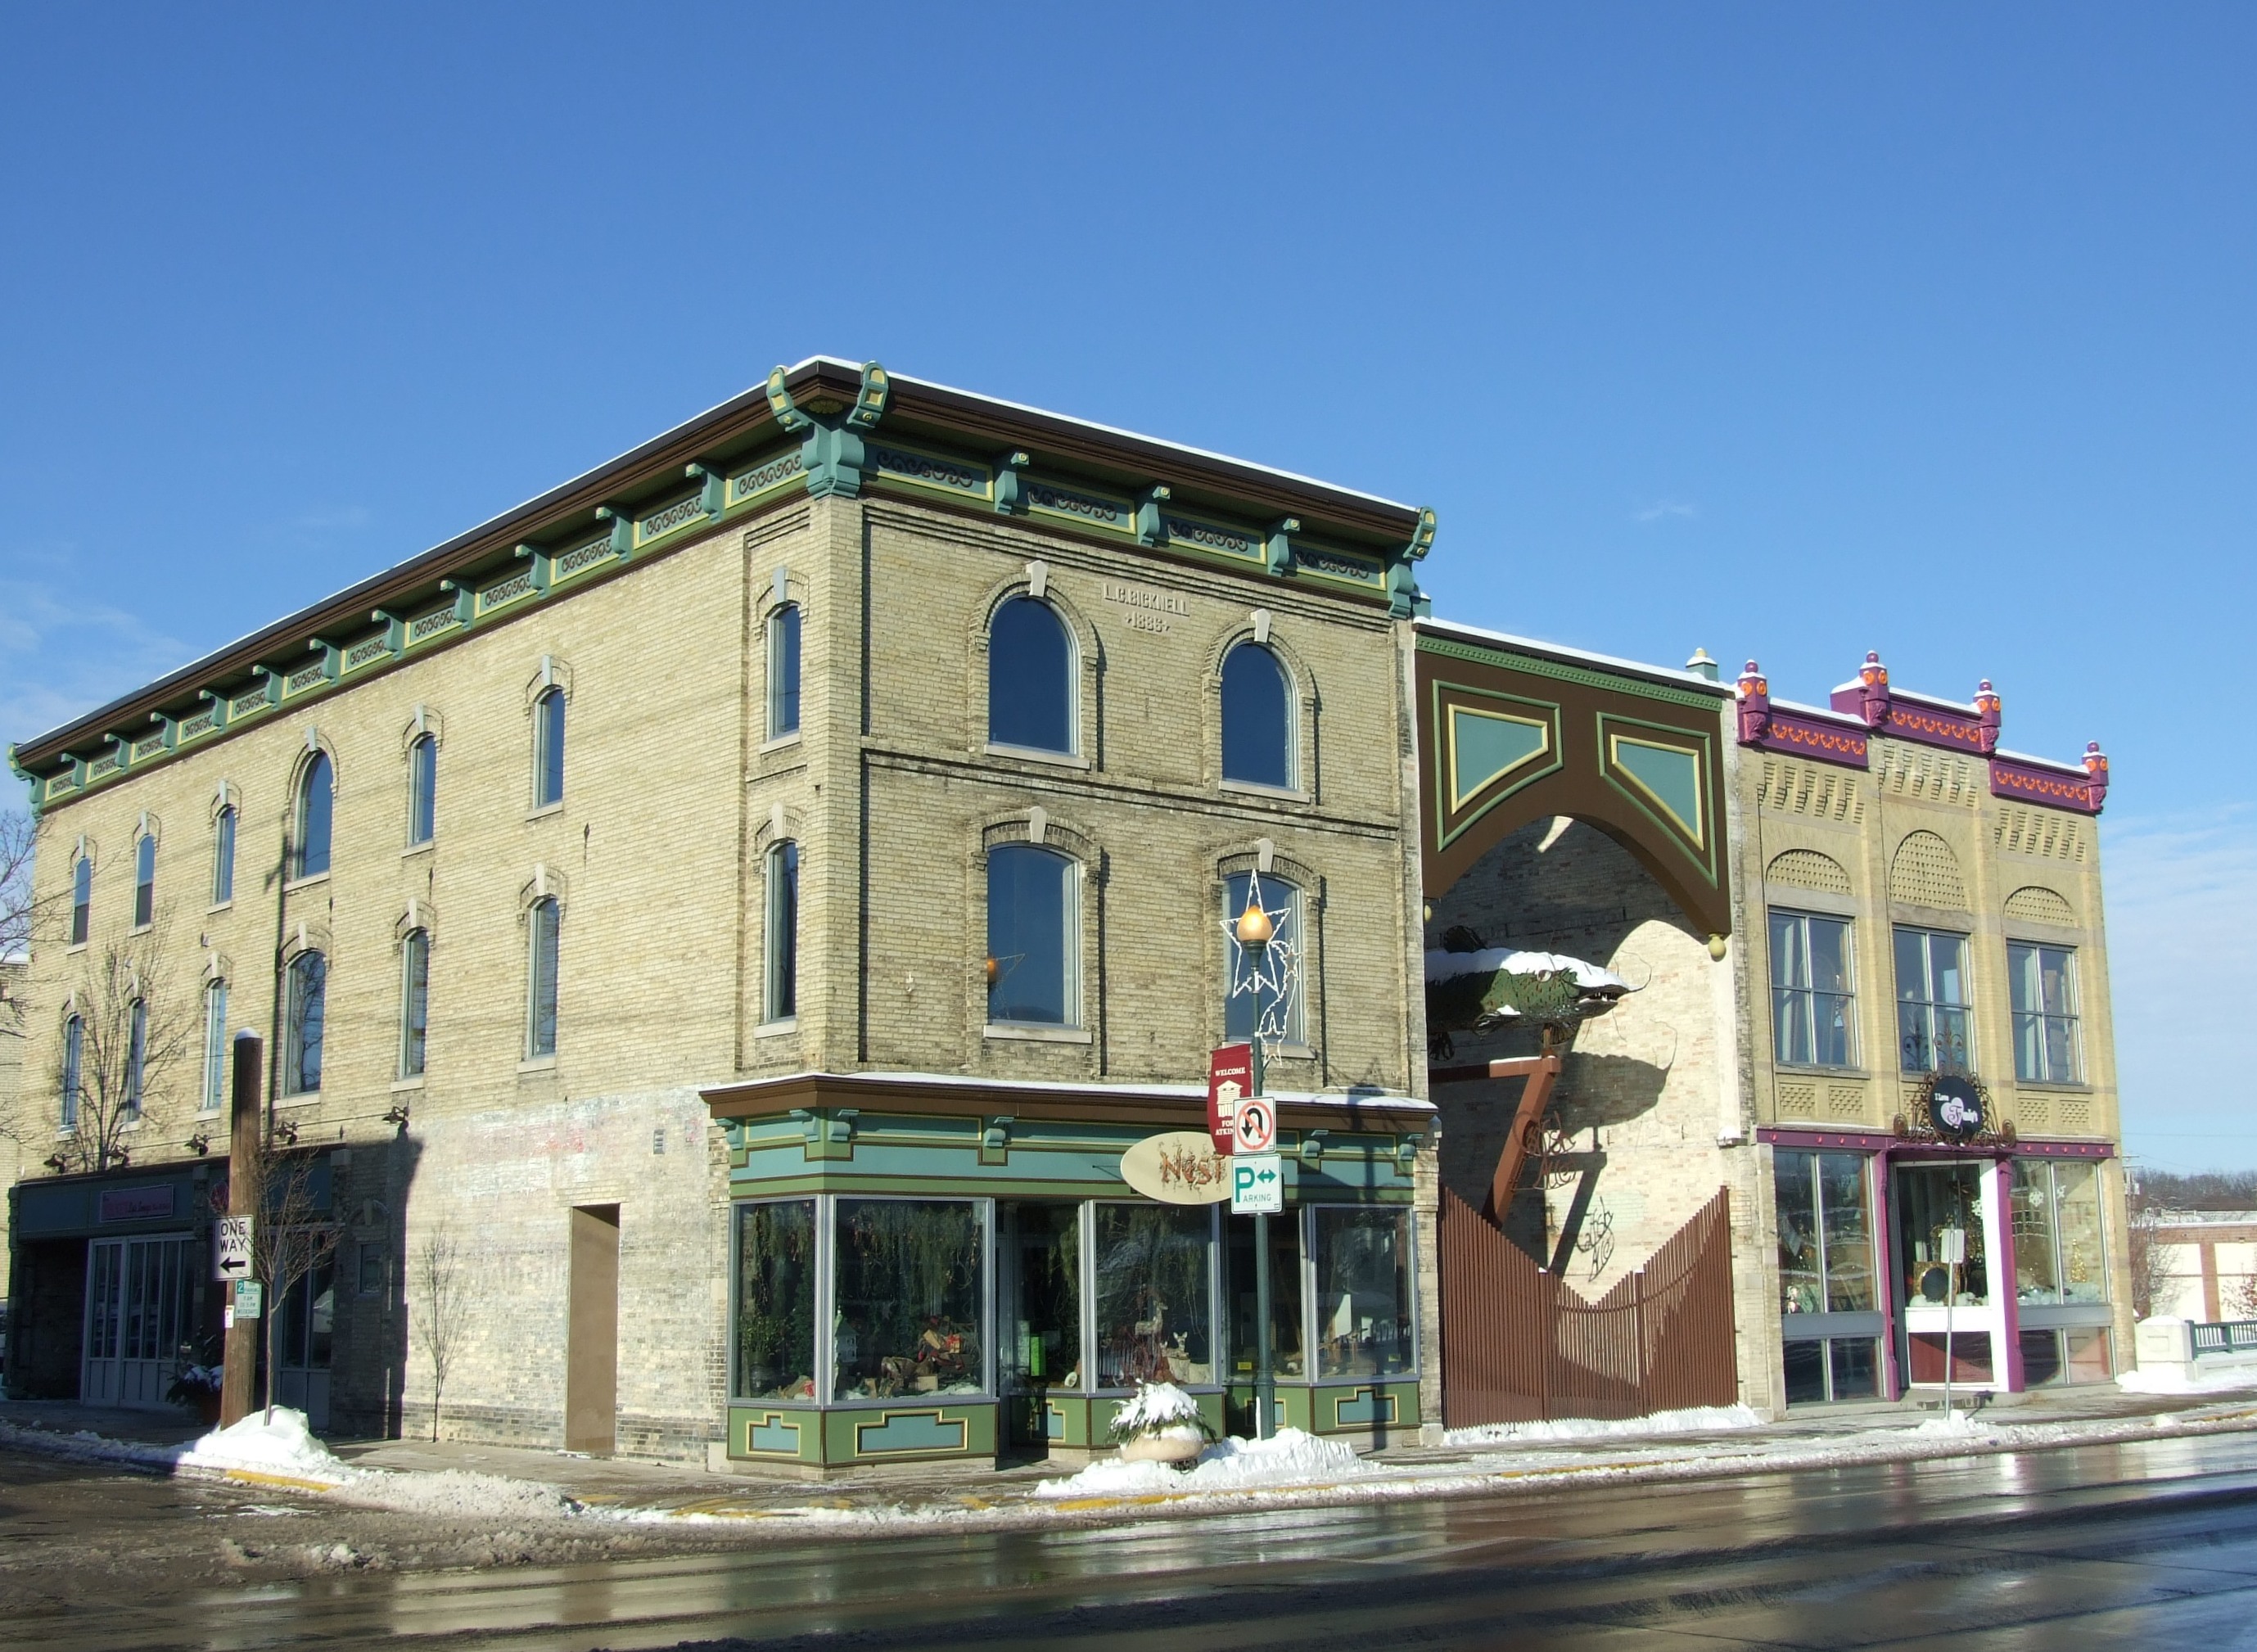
x=466 y=603
x=332 y=657
x=217 y=702
x=1422 y=537
x=786 y=410
x=870 y=401
x=1152 y=530
x=1010 y=493
x=1312 y=1149
x=1279 y=554
x=33 y=784
x=622 y=523
x=170 y=725
x=995 y=1139
x=121 y=747
x=395 y=630
x=270 y=682
x=542 y=564
x=713 y=487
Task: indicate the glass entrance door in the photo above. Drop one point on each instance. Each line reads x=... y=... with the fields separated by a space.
x=1947 y=1309
x=140 y=1310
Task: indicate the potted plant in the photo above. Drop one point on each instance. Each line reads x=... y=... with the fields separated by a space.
x=1161 y=1424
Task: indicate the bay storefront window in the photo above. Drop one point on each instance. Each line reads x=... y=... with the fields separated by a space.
x=1362 y=1264
x=1155 y=1295
x=2061 y=1272
x=911 y=1295
x=776 y=1302
x=1828 y=1304
x=1813 y=1011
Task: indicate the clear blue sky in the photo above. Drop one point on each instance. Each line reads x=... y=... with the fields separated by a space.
x=1787 y=330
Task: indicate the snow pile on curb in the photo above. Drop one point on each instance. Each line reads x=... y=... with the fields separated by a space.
x=461 y=1495
x=1292 y=1458
x=1958 y=1425
x=1699 y=1419
x=278 y=1443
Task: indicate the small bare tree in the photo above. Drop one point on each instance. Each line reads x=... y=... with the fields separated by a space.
x=2151 y=1264
x=442 y=1285
x=291 y=1235
x=25 y=916
x=132 y=1036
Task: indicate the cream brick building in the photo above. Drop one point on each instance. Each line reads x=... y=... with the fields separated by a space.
x=740 y=972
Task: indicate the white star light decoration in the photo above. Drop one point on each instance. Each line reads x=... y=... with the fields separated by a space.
x=1277 y=974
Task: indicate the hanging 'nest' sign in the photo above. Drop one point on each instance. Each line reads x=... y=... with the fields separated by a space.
x=1179 y=1167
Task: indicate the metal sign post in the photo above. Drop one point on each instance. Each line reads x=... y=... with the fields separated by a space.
x=1954 y=1241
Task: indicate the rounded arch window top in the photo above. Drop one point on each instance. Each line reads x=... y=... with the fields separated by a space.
x=1030 y=677
x=1257 y=717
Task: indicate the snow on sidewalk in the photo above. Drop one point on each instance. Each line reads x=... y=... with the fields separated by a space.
x=1702 y=1419
x=1291 y=1458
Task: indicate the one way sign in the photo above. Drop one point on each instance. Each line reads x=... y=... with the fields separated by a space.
x=1258 y=1184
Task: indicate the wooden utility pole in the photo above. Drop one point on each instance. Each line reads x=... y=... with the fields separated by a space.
x=239 y=1363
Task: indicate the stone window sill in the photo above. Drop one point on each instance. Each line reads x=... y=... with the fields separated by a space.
x=2062 y=1086
x=1273 y=793
x=545 y=810
x=415 y=1082
x=423 y=847
x=291 y=886
x=227 y=905
x=777 y=1029
x=1034 y=754
x=537 y=1064
x=779 y=743
x=1034 y=1034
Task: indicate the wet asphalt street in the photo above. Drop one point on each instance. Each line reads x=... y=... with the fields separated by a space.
x=2147 y=1545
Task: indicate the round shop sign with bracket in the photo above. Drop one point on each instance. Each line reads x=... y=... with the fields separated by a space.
x=1955 y=1107
x=1180 y=1167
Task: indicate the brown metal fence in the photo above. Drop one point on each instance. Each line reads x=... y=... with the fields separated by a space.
x=1520 y=1345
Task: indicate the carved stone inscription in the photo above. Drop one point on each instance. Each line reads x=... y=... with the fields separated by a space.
x=1148 y=610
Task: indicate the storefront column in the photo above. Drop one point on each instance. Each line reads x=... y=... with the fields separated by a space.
x=2009 y=1364
x=1885 y=1261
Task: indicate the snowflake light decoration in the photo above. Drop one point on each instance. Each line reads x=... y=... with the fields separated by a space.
x=1273 y=974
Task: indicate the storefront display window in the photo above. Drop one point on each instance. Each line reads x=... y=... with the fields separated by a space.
x=1825 y=1232
x=1286 y=1355
x=1931 y=1199
x=910 y=1282
x=1155 y=1314
x=1363 y=1291
x=2057 y=1252
x=776 y=1313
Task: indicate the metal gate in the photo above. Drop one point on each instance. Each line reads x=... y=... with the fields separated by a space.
x=140 y=1308
x=1520 y=1345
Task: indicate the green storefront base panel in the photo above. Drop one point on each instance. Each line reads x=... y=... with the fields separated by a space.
x=1083 y=1422
x=771 y=1434
x=1391 y=1404
x=910 y=1433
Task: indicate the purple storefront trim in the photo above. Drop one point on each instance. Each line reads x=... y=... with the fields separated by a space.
x=2055 y=784
x=1886 y=1149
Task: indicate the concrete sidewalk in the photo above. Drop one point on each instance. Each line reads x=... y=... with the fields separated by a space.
x=629 y=1487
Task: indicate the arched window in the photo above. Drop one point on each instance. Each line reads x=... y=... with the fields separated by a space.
x=422 y=790
x=215 y=1085
x=548 y=748
x=783 y=671
x=540 y=979
x=1257 y=719
x=415 y=1001
x=1029 y=678
x=144 y=881
x=81 y=900
x=1034 y=928
x=1266 y=983
x=317 y=797
x=74 y=1068
x=783 y=937
x=222 y=884
x=306 y=1005
x=137 y=1053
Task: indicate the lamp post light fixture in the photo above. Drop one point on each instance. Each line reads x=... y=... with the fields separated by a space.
x=1255 y=931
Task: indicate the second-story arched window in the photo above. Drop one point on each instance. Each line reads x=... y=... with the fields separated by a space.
x=548 y=748
x=222 y=882
x=783 y=671
x=213 y=1096
x=144 y=881
x=781 y=991
x=306 y=1004
x=137 y=1054
x=73 y=1068
x=1257 y=718
x=1030 y=677
x=540 y=979
x=1034 y=937
x=81 y=900
x=422 y=790
x=414 y=1001
x=317 y=802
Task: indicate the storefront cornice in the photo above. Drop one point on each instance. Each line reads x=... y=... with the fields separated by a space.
x=1182 y=1106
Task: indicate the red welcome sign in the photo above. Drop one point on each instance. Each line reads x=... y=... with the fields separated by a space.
x=1229 y=1080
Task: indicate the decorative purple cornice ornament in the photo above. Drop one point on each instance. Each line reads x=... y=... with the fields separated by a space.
x=1754 y=695
x=1873 y=683
x=2096 y=775
x=1987 y=709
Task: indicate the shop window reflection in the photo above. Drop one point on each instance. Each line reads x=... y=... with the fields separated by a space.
x=908 y=1298
x=1155 y=1319
x=775 y=1301
x=1364 y=1292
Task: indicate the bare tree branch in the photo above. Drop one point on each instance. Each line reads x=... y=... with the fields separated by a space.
x=442 y=1285
x=134 y=1037
x=292 y=1234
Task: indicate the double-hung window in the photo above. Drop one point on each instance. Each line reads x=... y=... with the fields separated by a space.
x=414 y=1001
x=1932 y=1001
x=223 y=881
x=1034 y=930
x=541 y=980
x=422 y=790
x=144 y=881
x=215 y=1096
x=780 y=991
x=2042 y=981
x=82 y=920
x=1813 y=1009
x=783 y=671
